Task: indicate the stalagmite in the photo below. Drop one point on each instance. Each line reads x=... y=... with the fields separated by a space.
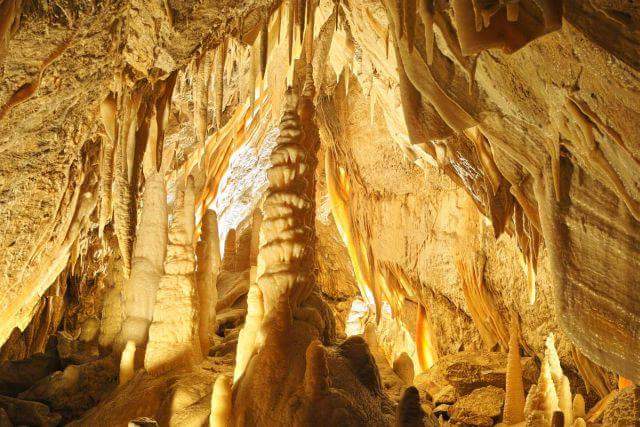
x=249 y=339
x=229 y=257
x=403 y=366
x=578 y=406
x=558 y=419
x=316 y=376
x=284 y=237
x=221 y=402
x=410 y=412
x=208 y=253
x=513 y=412
x=127 y=363
x=111 y=320
x=174 y=338
x=147 y=266
x=561 y=382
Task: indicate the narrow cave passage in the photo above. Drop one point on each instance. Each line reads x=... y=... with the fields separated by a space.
x=319 y=212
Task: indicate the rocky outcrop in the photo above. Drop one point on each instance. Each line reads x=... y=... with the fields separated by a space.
x=28 y=413
x=479 y=408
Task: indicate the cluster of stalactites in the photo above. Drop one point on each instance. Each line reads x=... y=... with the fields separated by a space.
x=285 y=230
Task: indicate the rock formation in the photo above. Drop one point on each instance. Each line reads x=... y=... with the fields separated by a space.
x=174 y=337
x=465 y=251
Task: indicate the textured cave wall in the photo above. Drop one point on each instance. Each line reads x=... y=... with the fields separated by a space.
x=556 y=88
x=423 y=222
x=418 y=219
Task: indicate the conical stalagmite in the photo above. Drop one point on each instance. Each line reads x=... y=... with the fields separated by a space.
x=208 y=252
x=230 y=249
x=284 y=231
x=513 y=411
x=174 y=338
x=127 y=361
x=147 y=266
x=221 y=402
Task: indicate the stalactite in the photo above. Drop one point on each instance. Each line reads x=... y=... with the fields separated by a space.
x=481 y=304
x=202 y=73
x=513 y=411
x=221 y=402
x=256 y=223
x=409 y=14
x=529 y=242
x=301 y=15
x=513 y=9
x=125 y=193
x=588 y=145
x=528 y=208
x=477 y=32
x=108 y=114
x=594 y=376
x=290 y=27
x=264 y=46
x=420 y=75
x=218 y=81
x=425 y=11
x=310 y=29
x=425 y=342
x=10 y=11
x=254 y=71
x=338 y=189
x=123 y=221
